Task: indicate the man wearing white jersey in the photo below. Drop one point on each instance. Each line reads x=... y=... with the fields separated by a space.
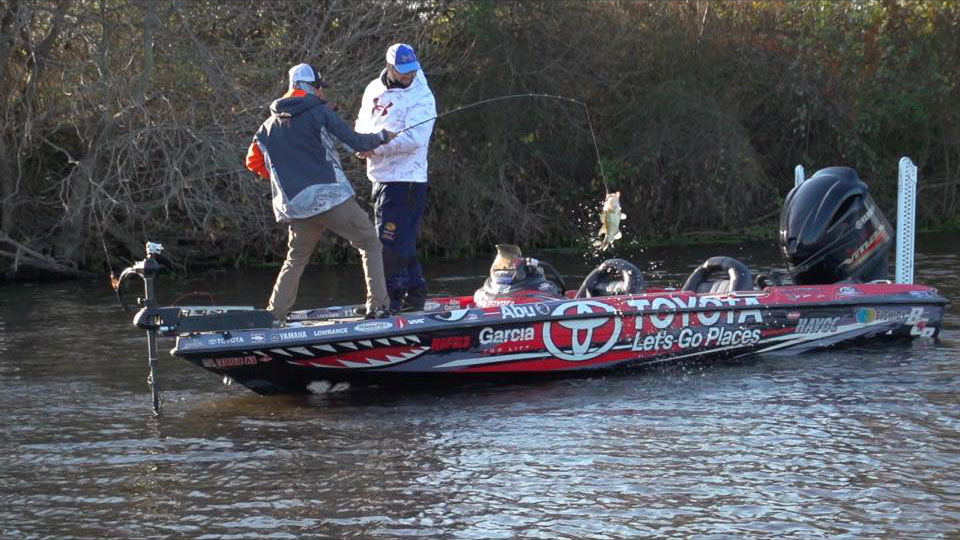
x=398 y=99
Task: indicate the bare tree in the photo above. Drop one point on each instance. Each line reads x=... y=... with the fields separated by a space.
x=127 y=120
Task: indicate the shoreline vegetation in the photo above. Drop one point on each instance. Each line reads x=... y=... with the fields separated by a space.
x=123 y=121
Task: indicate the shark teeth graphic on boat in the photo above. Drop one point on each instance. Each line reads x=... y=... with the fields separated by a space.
x=364 y=359
x=345 y=346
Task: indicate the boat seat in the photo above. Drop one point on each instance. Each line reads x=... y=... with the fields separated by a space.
x=719 y=275
x=612 y=277
x=762 y=281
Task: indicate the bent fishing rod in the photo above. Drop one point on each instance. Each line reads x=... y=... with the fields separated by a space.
x=596 y=147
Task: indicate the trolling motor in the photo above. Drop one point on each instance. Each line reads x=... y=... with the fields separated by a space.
x=175 y=320
x=150 y=317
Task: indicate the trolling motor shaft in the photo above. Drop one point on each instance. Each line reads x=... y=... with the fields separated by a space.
x=147 y=269
x=149 y=317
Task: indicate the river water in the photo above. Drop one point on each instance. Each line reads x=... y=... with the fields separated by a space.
x=849 y=443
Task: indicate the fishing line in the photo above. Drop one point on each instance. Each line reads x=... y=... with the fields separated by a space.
x=596 y=147
x=114 y=278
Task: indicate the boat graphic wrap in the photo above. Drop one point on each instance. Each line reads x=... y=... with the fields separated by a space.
x=373 y=358
x=567 y=336
x=582 y=339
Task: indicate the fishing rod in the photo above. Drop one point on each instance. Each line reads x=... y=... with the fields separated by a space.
x=596 y=147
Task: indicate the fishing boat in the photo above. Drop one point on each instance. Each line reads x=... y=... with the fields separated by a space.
x=523 y=322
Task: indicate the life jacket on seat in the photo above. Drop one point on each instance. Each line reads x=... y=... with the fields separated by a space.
x=515 y=280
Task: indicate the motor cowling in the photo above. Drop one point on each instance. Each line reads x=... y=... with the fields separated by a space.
x=831 y=230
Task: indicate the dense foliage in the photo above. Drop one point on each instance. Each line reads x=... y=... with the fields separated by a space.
x=127 y=120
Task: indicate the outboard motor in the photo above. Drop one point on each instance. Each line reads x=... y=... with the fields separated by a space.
x=831 y=230
x=515 y=279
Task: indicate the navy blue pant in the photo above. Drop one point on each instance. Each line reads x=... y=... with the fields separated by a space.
x=398 y=208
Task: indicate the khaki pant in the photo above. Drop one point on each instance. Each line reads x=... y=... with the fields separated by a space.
x=348 y=221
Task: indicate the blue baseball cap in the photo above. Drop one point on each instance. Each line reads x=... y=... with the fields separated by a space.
x=402 y=58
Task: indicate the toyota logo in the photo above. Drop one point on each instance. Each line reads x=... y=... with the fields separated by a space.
x=574 y=339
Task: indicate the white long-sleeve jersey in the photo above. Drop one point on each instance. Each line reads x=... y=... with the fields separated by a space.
x=404 y=159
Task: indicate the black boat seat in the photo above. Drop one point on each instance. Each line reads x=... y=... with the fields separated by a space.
x=612 y=277
x=719 y=275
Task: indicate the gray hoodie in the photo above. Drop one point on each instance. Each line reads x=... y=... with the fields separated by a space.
x=305 y=172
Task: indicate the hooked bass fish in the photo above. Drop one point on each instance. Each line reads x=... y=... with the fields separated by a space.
x=610 y=221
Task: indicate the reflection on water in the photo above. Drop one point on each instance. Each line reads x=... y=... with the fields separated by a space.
x=859 y=443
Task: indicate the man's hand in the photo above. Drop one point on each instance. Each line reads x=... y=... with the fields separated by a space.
x=386 y=136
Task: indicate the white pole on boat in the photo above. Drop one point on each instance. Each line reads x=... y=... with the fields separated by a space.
x=798 y=175
x=906 y=212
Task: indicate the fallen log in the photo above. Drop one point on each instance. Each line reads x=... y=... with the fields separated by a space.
x=24 y=259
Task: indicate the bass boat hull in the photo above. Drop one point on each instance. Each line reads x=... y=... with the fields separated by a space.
x=561 y=337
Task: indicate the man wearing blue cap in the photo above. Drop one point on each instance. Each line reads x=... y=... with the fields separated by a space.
x=397 y=99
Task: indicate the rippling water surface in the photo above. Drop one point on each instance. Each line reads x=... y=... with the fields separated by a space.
x=850 y=443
